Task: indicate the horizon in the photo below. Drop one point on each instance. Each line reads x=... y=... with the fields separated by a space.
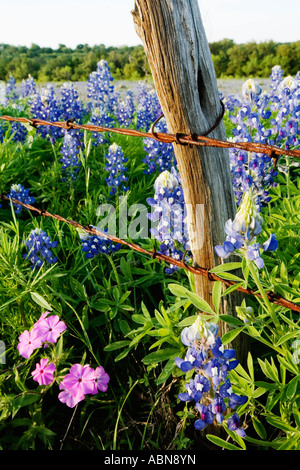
x=136 y=45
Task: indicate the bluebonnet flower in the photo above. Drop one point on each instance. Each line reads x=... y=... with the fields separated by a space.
x=39 y=247
x=210 y=388
x=3 y=129
x=94 y=245
x=148 y=107
x=19 y=132
x=70 y=150
x=251 y=89
x=234 y=400
x=195 y=389
x=242 y=233
x=71 y=105
x=168 y=215
x=44 y=106
x=28 y=87
x=276 y=76
x=206 y=416
x=10 y=89
x=160 y=156
x=262 y=117
x=17 y=191
x=100 y=89
x=218 y=407
x=234 y=424
x=3 y=99
x=117 y=170
x=193 y=358
x=125 y=110
x=99 y=117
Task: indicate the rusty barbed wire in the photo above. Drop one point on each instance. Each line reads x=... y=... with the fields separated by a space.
x=182 y=139
x=273 y=297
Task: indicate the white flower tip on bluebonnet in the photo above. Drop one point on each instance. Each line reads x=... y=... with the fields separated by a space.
x=250 y=89
x=248 y=219
x=114 y=147
x=167 y=180
x=200 y=332
x=102 y=63
x=288 y=82
x=83 y=235
x=16 y=187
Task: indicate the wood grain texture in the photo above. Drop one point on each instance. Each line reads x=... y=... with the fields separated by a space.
x=179 y=57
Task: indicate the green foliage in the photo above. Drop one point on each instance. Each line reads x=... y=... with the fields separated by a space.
x=124 y=312
x=45 y=64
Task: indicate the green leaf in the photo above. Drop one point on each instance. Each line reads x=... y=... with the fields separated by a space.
x=269 y=370
x=286 y=337
x=231 y=320
x=292 y=388
x=259 y=427
x=250 y=366
x=230 y=277
x=231 y=335
x=226 y=267
x=25 y=399
x=116 y=345
x=37 y=298
x=178 y=290
x=232 y=288
x=216 y=294
x=166 y=372
x=199 y=303
x=221 y=443
x=159 y=356
x=187 y=321
x=277 y=422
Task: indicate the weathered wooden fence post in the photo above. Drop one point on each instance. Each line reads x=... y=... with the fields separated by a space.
x=179 y=57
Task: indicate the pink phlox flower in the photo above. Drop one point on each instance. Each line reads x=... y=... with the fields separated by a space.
x=43 y=373
x=101 y=380
x=42 y=317
x=50 y=328
x=65 y=396
x=28 y=342
x=80 y=380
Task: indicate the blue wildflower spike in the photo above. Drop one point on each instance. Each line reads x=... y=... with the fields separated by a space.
x=17 y=191
x=39 y=247
x=242 y=233
x=211 y=362
x=93 y=245
x=168 y=215
x=117 y=169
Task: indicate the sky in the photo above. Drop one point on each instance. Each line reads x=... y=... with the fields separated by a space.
x=49 y=23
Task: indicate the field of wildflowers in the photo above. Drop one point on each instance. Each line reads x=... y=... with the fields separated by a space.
x=101 y=347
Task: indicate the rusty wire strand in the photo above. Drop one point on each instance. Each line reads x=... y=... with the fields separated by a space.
x=182 y=139
x=274 y=298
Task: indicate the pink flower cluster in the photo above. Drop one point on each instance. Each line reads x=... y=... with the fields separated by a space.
x=80 y=381
x=45 y=330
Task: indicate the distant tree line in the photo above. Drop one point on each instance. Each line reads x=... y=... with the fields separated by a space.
x=45 y=64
